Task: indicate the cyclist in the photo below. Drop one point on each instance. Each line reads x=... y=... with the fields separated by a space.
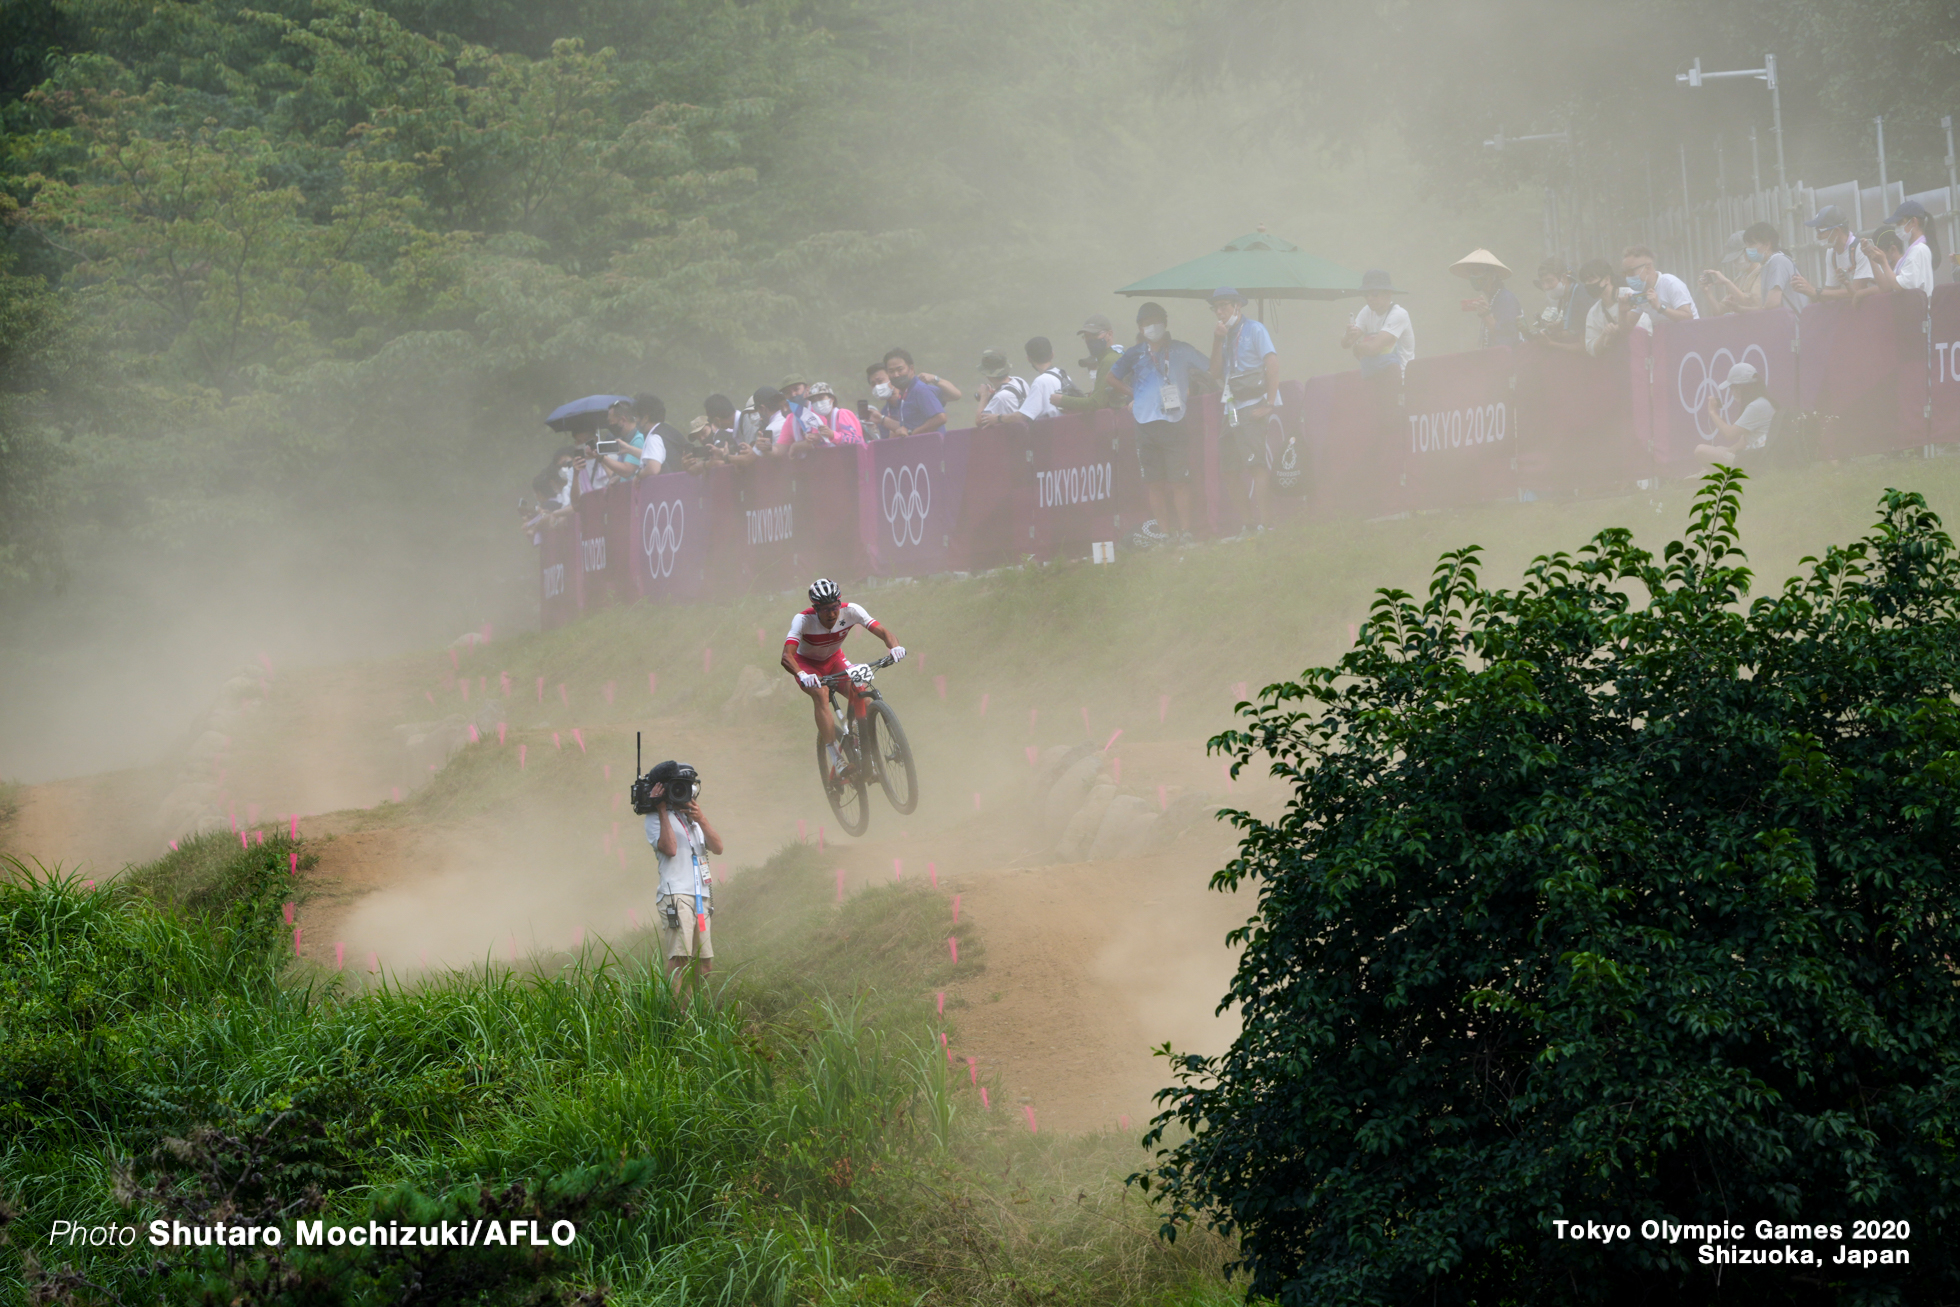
x=814 y=648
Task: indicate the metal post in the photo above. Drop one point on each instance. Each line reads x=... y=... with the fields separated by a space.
x=1687 y=215
x=1952 y=185
x=1884 y=187
x=1776 y=125
x=1721 y=169
x=1755 y=162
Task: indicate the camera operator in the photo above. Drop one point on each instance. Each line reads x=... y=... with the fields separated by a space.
x=682 y=839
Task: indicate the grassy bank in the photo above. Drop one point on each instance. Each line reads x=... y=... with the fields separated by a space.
x=797 y=1139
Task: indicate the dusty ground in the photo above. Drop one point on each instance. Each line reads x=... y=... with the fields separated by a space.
x=1089 y=966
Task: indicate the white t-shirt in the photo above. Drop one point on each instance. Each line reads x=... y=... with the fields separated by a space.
x=1850 y=260
x=1598 y=319
x=1012 y=394
x=1915 y=270
x=653 y=449
x=1040 y=402
x=677 y=874
x=1396 y=323
x=1670 y=292
x=1755 y=419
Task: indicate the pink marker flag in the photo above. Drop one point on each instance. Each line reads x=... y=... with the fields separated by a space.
x=430 y=697
x=488 y=630
x=802 y=830
x=610 y=687
x=395 y=793
x=541 y=689
x=339 y=955
x=579 y=735
x=292 y=862
x=942 y=993
x=1116 y=770
x=1112 y=739
x=294 y=833
x=1033 y=753
x=1354 y=633
x=976 y=800
x=1034 y=715
x=707 y=661
x=297 y=931
x=939 y=683
x=578 y=938
x=633 y=917
x=942 y=1039
x=464 y=686
x=425 y=959
x=374 y=962
x=607 y=769
x=501 y=728
x=173 y=846
x=503 y=679
x=984 y=1104
x=265 y=662
x=289 y=914
x=563 y=697
x=244 y=840
x=973 y=1071
x=932 y=871
x=898 y=869
x=840 y=884
x=653 y=683
x=520 y=756
x=1163 y=799
x=557 y=743
x=983 y=705
x=956 y=909
x=258 y=837
x=1027 y=1110
x=1238 y=689
x=953 y=947
x=474 y=737
x=1123 y=1123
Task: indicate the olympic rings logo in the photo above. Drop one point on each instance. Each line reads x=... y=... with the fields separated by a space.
x=661 y=529
x=1697 y=380
x=906 y=493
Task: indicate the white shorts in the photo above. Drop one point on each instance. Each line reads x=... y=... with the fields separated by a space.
x=679 y=941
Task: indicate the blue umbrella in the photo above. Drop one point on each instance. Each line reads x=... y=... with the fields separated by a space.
x=584 y=414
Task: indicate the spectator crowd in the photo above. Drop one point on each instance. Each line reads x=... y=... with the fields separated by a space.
x=1592 y=310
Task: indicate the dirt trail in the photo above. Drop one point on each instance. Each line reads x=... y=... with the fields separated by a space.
x=1088 y=966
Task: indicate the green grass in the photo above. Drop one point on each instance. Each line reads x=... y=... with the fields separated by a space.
x=796 y=1138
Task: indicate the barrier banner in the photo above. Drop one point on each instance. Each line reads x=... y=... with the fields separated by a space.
x=1944 y=379
x=765 y=531
x=1078 y=461
x=824 y=488
x=1864 y=366
x=1691 y=362
x=1455 y=431
x=669 y=534
x=595 y=578
x=916 y=486
x=558 y=591
x=995 y=524
x=1576 y=419
x=1339 y=433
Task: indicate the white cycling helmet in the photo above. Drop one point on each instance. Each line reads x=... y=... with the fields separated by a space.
x=823 y=590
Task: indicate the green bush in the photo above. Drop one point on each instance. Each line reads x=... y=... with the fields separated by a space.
x=1597 y=907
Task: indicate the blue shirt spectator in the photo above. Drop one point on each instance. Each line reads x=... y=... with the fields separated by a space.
x=919 y=406
x=1156 y=371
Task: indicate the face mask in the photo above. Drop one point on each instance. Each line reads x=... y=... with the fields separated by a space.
x=883 y=390
x=1755 y=255
x=823 y=407
x=1154 y=332
x=1232 y=321
x=1636 y=284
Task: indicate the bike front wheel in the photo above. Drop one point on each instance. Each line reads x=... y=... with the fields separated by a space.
x=847 y=792
x=885 y=741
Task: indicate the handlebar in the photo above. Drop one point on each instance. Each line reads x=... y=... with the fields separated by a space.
x=837 y=677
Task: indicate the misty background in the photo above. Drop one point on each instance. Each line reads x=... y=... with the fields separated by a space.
x=288 y=287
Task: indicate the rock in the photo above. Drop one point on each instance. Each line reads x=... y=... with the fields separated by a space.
x=1082 y=827
x=467 y=640
x=1128 y=827
x=1071 y=790
x=1051 y=762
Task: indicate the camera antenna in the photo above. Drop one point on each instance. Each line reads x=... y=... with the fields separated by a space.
x=636 y=755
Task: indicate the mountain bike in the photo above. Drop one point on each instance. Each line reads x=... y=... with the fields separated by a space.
x=873 y=746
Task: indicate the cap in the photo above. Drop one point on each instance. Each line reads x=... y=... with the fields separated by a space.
x=793 y=379
x=1828 y=217
x=1152 y=311
x=821 y=388
x=767 y=396
x=1227 y=293
x=1741 y=375
x=1096 y=325
x=1479 y=261
x=697 y=426
x=1733 y=250
x=1376 y=279
x=1910 y=209
x=993 y=364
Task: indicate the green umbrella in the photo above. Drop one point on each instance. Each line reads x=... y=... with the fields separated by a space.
x=1261 y=266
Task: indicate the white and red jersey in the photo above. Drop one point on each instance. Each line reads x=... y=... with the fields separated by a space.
x=812 y=641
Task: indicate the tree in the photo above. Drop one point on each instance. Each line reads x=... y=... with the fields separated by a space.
x=1592 y=909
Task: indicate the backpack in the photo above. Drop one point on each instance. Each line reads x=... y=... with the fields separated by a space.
x=1068 y=386
x=1016 y=387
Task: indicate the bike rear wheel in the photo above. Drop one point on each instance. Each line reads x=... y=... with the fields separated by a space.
x=846 y=793
x=887 y=743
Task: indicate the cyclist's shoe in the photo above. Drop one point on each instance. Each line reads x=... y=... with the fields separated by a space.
x=836 y=763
